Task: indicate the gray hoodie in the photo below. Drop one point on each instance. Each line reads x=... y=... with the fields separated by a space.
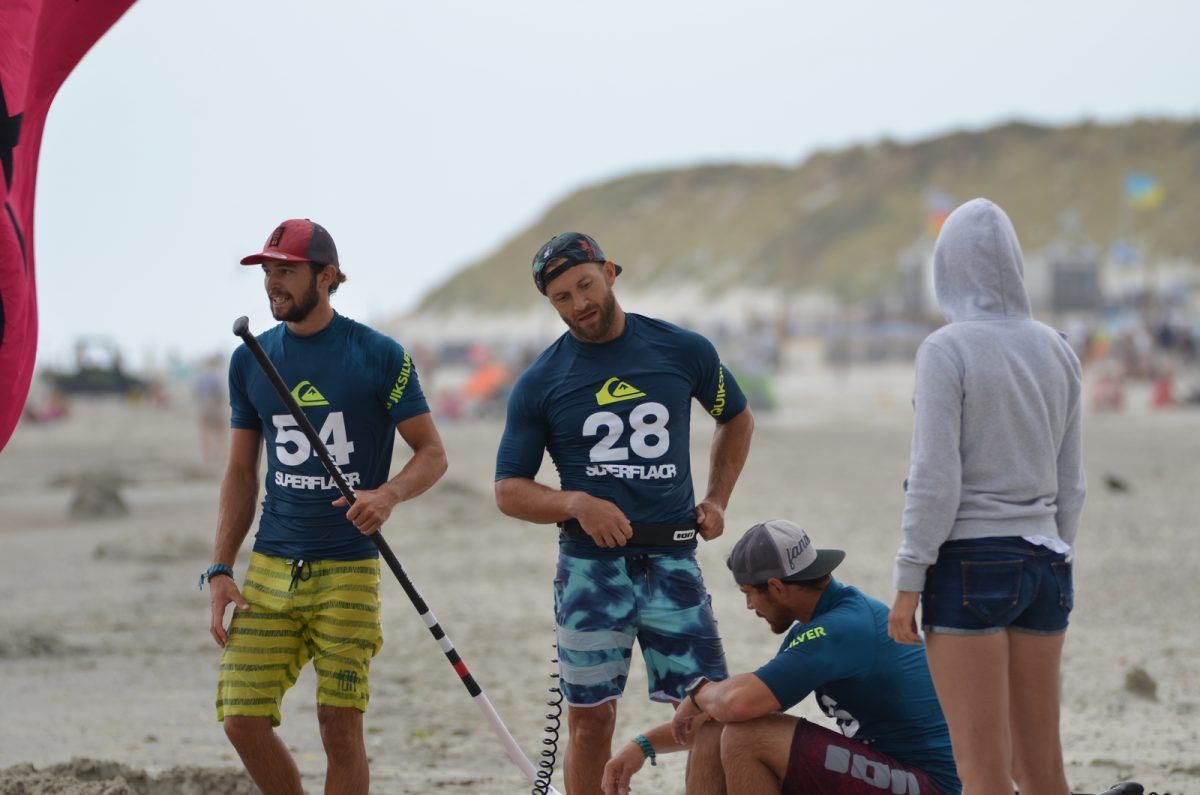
x=996 y=441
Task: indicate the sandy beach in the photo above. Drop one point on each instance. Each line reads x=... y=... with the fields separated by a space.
x=105 y=653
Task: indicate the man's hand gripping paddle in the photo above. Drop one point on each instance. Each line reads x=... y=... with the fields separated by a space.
x=241 y=327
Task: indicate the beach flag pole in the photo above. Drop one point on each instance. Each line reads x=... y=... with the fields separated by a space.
x=241 y=327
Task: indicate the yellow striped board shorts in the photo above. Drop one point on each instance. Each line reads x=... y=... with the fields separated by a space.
x=329 y=614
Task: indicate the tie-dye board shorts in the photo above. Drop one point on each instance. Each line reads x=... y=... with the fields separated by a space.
x=601 y=606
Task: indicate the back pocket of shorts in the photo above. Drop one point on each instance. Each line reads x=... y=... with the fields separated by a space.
x=991 y=588
x=1066 y=588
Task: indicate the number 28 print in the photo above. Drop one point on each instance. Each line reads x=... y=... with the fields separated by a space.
x=648 y=440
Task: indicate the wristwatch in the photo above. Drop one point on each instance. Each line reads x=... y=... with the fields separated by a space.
x=694 y=687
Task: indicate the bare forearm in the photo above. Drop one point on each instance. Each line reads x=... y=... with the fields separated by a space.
x=730 y=447
x=522 y=498
x=663 y=740
x=239 y=492
x=743 y=697
x=424 y=469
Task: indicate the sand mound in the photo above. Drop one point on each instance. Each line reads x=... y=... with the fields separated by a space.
x=21 y=644
x=96 y=777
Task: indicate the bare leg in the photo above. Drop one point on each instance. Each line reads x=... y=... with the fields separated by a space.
x=589 y=746
x=1033 y=676
x=264 y=754
x=755 y=754
x=970 y=674
x=345 y=751
x=705 y=776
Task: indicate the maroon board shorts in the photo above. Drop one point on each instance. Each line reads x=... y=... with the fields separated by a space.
x=826 y=763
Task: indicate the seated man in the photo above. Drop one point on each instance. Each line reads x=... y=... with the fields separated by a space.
x=894 y=738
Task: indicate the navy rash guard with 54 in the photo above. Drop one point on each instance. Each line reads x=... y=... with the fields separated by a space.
x=354 y=384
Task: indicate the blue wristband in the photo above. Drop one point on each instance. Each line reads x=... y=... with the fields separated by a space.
x=215 y=570
x=647 y=749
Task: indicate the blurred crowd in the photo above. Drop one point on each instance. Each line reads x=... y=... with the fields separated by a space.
x=1131 y=349
x=1131 y=361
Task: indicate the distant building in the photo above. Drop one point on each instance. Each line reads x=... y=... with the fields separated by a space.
x=1066 y=276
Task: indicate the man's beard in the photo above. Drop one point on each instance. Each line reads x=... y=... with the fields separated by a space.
x=778 y=624
x=604 y=324
x=781 y=626
x=301 y=308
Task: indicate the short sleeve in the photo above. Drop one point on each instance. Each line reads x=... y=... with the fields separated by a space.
x=401 y=395
x=241 y=411
x=811 y=656
x=713 y=385
x=524 y=441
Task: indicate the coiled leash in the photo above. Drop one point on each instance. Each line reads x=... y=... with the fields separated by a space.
x=549 y=754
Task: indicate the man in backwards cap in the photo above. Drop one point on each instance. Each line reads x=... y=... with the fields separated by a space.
x=311 y=590
x=893 y=735
x=611 y=401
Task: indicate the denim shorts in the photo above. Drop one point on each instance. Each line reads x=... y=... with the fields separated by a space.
x=984 y=585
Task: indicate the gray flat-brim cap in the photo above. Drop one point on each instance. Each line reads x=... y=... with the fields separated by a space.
x=779 y=549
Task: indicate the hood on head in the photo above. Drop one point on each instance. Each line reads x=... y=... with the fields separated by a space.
x=978 y=271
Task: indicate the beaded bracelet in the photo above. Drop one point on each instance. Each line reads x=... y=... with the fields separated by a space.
x=647 y=749
x=215 y=570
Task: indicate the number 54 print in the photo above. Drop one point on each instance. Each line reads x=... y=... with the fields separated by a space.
x=292 y=447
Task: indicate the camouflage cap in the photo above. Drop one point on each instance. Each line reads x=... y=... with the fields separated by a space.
x=575 y=247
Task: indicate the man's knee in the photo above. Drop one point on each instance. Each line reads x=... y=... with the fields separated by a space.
x=706 y=745
x=766 y=741
x=592 y=725
x=740 y=740
x=341 y=729
x=245 y=731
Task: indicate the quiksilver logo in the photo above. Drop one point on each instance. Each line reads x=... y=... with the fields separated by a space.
x=616 y=390
x=308 y=395
x=719 y=404
x=401 y=382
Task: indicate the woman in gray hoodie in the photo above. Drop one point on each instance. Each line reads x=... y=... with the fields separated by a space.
x=994 y=492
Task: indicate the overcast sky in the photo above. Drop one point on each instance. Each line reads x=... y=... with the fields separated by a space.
x=423 y=134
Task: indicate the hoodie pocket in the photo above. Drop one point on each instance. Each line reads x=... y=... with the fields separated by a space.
x=991 y=588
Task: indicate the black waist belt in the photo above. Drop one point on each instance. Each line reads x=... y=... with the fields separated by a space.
x=644 y=535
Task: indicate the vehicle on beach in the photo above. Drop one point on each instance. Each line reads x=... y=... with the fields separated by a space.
x=98 y=371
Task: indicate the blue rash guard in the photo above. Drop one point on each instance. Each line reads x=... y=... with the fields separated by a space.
x=879 y=691
x=616 y=418
x=354 y=384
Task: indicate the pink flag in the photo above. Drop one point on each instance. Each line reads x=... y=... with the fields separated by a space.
x=41 y=41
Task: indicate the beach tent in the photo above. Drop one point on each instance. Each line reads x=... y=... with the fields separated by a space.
x=41 y=41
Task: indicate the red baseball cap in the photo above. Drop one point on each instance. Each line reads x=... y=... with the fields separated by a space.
x=297 y=240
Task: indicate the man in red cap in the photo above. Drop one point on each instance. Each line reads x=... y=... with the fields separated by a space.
x=311 y=591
